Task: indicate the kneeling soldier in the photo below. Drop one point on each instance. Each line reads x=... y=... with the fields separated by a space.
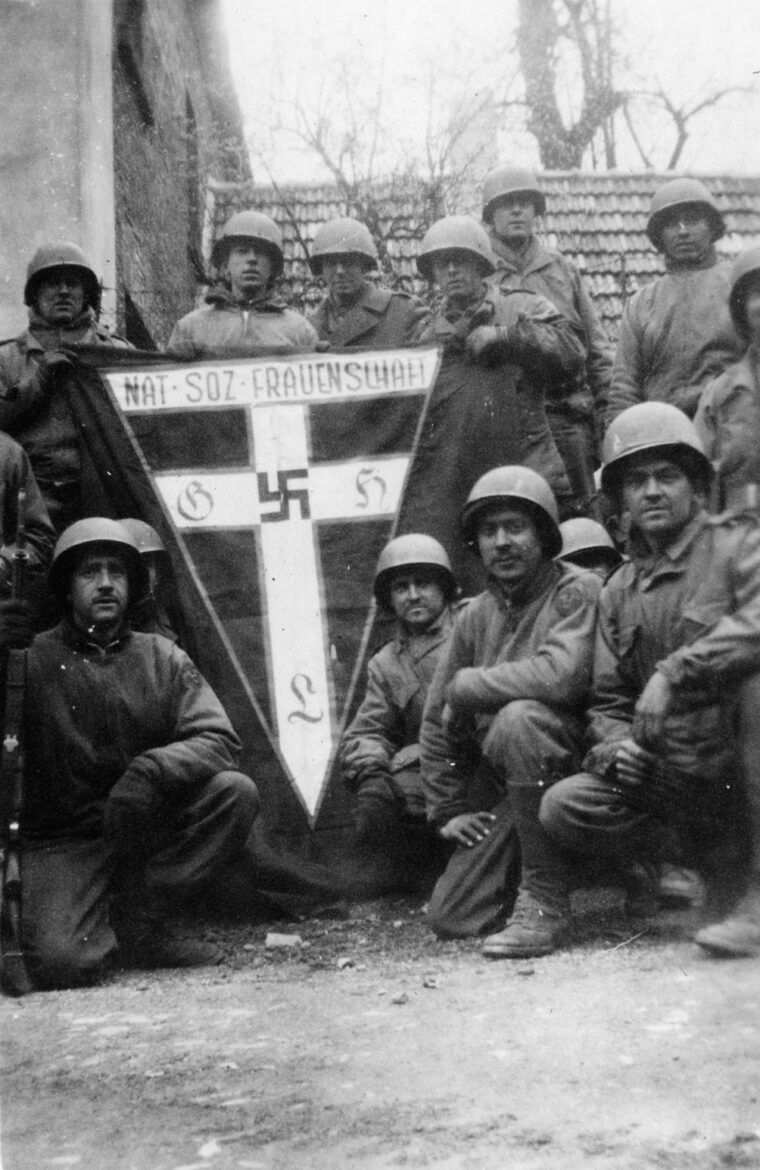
x=512 y=685
x=380 y=754
x=132 y=786
x=676 y=681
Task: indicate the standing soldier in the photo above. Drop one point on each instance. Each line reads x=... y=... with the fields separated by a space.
x=38 y=368
x=356 y=312
x=511 y=686
x=243 y=317
x=728 y=418
x=512 y=203
x=502 y=354
x=676 y=333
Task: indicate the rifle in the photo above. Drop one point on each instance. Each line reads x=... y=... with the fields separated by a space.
x=14 y=976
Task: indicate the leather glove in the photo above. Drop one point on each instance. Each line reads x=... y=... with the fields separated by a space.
x=130 y=812
x=17 y=623
x=488 y=344
x=53 y=365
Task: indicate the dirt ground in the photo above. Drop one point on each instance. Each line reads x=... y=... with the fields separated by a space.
x=370 y=1044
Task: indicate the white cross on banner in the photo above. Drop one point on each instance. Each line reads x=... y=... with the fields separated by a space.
x=284 y=478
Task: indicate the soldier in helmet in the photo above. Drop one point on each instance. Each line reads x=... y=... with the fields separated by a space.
x=676 y=333
x=380 y=753
x=243 y=316
x=355 y=311
x=588 y=544
x=132 y=785
x=37 y=369
x=512 y=204
x=152 y=612
x=511 y=687
x=503 y=354
x=728 y=418
x=676 y=686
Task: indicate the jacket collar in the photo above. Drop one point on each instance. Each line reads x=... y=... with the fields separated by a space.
x=221 y=297
x=434 y=634
x=710 y=260
x=535 y=256
x=359 y=317
x=549 y=573
x=649 y=564
x=77 y=639
x=41 y=335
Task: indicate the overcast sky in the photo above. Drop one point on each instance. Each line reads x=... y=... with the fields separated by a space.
x=286 y=52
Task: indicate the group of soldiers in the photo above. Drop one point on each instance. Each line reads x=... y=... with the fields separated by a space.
x=549 y=718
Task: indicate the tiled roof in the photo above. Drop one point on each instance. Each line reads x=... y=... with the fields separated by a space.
x=596 y=218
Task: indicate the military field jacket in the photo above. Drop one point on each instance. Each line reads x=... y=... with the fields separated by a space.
x=675 y=336
x=692 y=613
x=385 y=731
x=728 y=423
x=554 y=276
x=382 y=318
x=91 y=713
x=539 y=649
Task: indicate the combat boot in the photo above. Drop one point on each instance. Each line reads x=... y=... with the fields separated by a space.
x=537 y=926
x=146 y=941
x=738 y=935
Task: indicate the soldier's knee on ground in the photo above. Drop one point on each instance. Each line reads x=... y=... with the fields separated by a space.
x=240 y=794
x=62 y=963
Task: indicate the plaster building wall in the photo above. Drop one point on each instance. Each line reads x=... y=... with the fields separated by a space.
x=116 y=113
x=55 y=93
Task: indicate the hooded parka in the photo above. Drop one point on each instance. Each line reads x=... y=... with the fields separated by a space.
x=675 y=336
x=226 y=328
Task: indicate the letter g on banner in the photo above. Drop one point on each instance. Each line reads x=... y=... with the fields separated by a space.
x=195 y=502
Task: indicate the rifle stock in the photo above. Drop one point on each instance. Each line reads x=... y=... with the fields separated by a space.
x=15 y=978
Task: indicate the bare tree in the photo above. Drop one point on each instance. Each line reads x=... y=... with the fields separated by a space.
x=553 y=38
x=571 y=48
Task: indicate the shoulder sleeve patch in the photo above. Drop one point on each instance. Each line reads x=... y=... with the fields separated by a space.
x=572 y=598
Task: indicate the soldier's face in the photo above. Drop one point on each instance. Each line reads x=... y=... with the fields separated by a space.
x=659 y=498
x=60 y=296
x=458 y=274
x=344 y=277
x=510 y=546
x=686 y=235
x=417 y=599
x=248 y=270
x=514 y=218
x=99 y=591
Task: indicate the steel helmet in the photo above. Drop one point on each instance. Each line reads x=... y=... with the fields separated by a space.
x=145 y=537
x=61 y=254
x=652 y=426
x=581 y=535
x=413 y=549
x=95 y=530
x=455 y=233
x=746 y=265
x=250 y=225
x=519 y=485
x=511 y=181
x=681 y=193
x=342 y=237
